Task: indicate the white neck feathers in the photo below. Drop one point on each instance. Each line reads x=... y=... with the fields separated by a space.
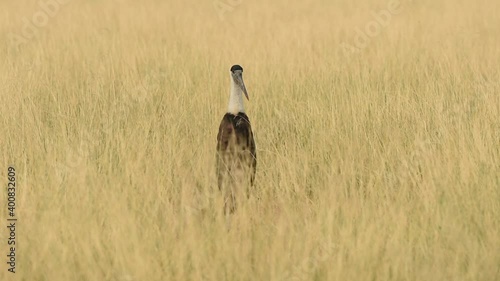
x=235 y=99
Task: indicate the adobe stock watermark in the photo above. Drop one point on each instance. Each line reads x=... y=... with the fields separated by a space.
x=372 y=29
x=137 y=93
x=303 y=270
x=225 y=6
x=47 y=9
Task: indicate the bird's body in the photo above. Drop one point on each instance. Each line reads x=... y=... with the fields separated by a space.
x=236 y=155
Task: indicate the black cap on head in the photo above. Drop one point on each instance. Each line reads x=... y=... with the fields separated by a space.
x=236 y=67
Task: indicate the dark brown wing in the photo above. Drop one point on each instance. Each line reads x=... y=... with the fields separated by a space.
x=235 y=142
x=248 y=142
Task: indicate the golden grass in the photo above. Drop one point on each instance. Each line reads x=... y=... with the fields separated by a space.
x=378 y=165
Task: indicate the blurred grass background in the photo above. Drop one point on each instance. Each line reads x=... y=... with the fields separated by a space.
x=382 y=164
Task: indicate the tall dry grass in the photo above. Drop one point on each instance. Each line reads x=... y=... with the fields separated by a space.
x=378 y=165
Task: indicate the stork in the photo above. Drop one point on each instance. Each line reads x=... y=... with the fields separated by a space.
x=236 y=157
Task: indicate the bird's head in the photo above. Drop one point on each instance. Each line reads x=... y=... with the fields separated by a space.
x=237 y=76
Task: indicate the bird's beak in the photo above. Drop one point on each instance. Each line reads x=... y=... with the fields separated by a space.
x=239 y=81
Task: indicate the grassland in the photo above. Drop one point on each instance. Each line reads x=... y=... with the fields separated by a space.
x=381 y=163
